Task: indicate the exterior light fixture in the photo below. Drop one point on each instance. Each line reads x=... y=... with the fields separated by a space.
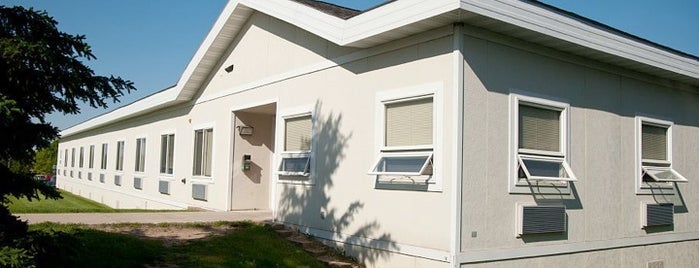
x=245 y=130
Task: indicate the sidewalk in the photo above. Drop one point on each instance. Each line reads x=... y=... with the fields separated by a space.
x=145 y=217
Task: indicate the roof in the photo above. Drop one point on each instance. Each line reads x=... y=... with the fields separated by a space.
x=331 y=9
x=527 y=20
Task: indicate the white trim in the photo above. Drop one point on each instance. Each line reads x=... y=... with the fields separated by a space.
x=641 y=187
x=458 y=140
x=280 y=129
x=501 y=254
x=429 y=90
x=375 y=244
x=518 y=97
x=529 y=176
x=423 y=168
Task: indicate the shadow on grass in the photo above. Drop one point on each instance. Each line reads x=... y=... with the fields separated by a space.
x=247 y=245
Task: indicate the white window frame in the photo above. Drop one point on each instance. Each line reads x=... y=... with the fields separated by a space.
x=431 y=90
x=140 y=154
x=202 y=178
x=104 y=155
x=649 y=166
x=119 y=159
x=168 y=158
x=293 y=177
x=562 y=156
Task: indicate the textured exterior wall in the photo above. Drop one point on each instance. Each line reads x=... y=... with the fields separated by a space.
x=604 y=102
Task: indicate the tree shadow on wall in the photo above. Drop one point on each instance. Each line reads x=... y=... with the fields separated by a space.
x=309 y=205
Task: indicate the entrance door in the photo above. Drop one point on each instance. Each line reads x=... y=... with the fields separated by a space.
x=253 y=151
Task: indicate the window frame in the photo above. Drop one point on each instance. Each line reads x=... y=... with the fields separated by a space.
x=91 y=157
x=140 y=155
x=423 y=167
x=660 y=186
x=556 y=185
x=426 y=181
x=104 y=154
x=202 y=174
x=290 y=176
x=120 y=151
x=169 y=162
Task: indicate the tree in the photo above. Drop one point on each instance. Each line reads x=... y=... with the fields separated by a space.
x=41 y=72
x=45 y=158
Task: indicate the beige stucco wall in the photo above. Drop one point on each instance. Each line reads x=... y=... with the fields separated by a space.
x=343 y=100
x=251 y=188
x=604 y=102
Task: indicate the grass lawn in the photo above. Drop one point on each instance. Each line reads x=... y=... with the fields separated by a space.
x=246 y=245
x=69 y=204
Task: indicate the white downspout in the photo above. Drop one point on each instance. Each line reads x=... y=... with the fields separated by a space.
x=458 y=75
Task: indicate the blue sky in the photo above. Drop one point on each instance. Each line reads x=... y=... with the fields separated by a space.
x=151 y=42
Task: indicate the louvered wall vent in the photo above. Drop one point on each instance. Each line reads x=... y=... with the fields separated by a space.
x=137 y=183
x=657 y=214
x=534 y=219
x=164 y=187
x=199 y=191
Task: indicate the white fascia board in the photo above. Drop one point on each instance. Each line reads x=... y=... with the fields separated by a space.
x=550 y=23
x=153 y=102
x=394 y=15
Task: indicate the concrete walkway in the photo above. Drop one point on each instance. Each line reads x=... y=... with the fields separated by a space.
x=145 y=217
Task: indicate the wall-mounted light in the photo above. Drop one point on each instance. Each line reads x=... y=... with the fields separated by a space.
x=230 y=68
x=245 y=130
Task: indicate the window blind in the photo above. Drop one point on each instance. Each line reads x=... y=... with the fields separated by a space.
x=653 y=142
x=409 y=123
x=539 y=129
x=297 y=134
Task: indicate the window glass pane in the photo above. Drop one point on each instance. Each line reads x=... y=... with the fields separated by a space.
x=163 y=153
x=208 y=143
x=541 y=168
x=65 y=158
x=198 y=149
x=120 y=156
x=170 y=153
x=72 y=157
x=663 y=175
x=409 y=123
x=103 y=164
x=298 y=134
x=91 y=160
x=140 y=154
x=82 y=153
x=539 y=128
x=654 y=142
x=295 y=164
x=402 y=164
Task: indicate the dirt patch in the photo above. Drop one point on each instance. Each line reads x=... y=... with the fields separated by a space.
x=170 y=235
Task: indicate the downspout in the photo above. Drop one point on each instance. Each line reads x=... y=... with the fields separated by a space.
x=458 y=76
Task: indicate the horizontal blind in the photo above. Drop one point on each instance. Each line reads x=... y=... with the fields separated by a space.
x=409 y=123
x=539 y=129
x=654 y=142
x=297 y=136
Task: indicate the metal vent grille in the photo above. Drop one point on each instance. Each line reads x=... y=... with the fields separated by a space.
x=117 y=180
x=199 y=192
x=137 y=183
x=659 y=215
x=89 y=176
x=102 y=178
x=164 y=187
x=542 y=219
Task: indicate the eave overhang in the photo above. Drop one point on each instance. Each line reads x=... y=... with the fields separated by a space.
x=526 y=20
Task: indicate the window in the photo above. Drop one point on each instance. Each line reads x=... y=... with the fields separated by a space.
x=203 y=145
x=72 y=157
x=103 y=160
x=408 y=130
x=140 y=165
x=654 y=139
x=91 y=160
x=540 y=137
x=167 y=151
x=296 y=157
x=82 y=156
x=65 y=158
x=120 y=156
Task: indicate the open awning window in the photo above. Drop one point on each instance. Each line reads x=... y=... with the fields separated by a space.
x=406 y=164
x=663 y=174
x=545 y=168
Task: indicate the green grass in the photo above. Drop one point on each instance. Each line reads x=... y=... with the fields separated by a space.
x=70 y=203
x=250 y=245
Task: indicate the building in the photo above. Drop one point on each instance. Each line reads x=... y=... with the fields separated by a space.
x=436 y=133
